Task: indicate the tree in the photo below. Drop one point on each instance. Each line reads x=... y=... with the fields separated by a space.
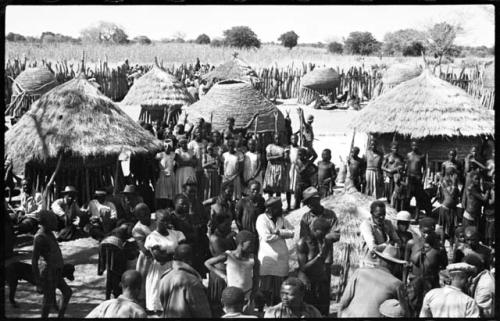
x=217 y=43
x=241 y=37
x=202 y=39
x=409 y=41
x=14 y=37
x=143 y=40
x=361 y=43
x=440 y=39
x=105 y=32
x=288 y=39
x=335 y=47
x=416 y=48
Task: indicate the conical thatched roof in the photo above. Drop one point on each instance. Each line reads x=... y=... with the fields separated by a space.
x=489 y=75
x=157 y=89
x=34 y=81
x=425 y=106
x=74 y=117
x=399 y=73
x=320 y=79
x=234 y=69
x=239 y=100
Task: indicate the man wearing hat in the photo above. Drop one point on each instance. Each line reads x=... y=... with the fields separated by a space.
x=311 y=199
x=70 y=216
x=450 y=301
x=103 y=215
x=128 y=200
x=369 y=287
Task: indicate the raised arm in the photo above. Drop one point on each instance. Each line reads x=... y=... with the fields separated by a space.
x=210 y=265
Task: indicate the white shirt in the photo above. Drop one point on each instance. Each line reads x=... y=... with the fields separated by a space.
x=448 y=302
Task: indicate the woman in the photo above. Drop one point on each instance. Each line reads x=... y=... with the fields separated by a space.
x=162 y=244
x=292 y=170
x=211 y=165
x=186 y=164
x=275 y=178
x=223 y=205
x=251 y=166
x=165 y=185
x=448 y=218
x=232 y=162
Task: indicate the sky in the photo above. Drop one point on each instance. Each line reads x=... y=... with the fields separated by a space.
x=312 y=23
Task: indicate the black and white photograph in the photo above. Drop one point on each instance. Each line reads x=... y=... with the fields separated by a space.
x=249 y=160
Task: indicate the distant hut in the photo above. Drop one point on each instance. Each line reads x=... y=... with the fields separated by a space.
x=158 y=95
x=27 y=87
x=76 y=126
x=241 y=101
x=396 y=74
x=324 y=81
x=434 y=112
x=234 y=69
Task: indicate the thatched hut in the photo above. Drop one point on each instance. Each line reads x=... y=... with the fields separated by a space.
x=396 y=74
x=241 y=101
x=27 y=87
x=158 y=95
x=324 y=81
x=76 y=126
x=234 y=69
x=436 y=113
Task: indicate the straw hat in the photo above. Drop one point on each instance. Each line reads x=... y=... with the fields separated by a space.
x=391 y=309
x=391 y=254
x=404 y=216
x=309 y=193
x=69 y=189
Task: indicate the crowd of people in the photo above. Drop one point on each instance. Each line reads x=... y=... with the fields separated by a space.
x=208 y=243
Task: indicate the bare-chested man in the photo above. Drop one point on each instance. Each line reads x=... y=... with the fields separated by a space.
x=373 y=171
x=415 y=170
x=357 y=167
x=392 y=163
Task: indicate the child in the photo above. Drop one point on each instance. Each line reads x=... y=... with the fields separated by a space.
x=399 y=196
x=211 y=165
x=241 y=267
x=326 y=174
x=233 y=300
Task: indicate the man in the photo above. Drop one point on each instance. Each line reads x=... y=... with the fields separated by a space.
x=316 y=210
x=373 y=174
x=452 y=162
x=376 y=231
x=233 y=301
x=450 y=301
x=307 y=134
x=249 y=208
x=482 y=287
x=474 y=247
x=103 y=215
x=182 y=293
x=230 y=131
x=197 y=146
x=369 y=287
x=391 y=165
x=357 y=167
x=307 y=175
x=51 y=278
x=129 y=198
x=28 y=213
x=314 y=255
x=233 y=169
x=415 y=169
x=292 y=302
x=475 y=199
x=126 y=305
x=70 y=216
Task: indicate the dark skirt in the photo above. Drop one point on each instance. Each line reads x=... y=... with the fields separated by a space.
x=448 y=220
x=215 y=287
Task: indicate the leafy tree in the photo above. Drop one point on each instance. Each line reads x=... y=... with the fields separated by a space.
x=14 y=37
x=289 y=39
x=361 y=43
x=105 y=32
x=202 y=39
x=335 y=47
x=440 y=39
x=241 y=37
x=409 y=41
x=416 y=48
x=217 y=43
x=143 y=40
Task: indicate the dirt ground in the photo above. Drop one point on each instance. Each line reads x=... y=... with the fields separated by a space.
x=332 y=131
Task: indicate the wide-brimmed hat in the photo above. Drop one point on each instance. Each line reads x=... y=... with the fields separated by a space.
x=391 y=309
x=461 y=267
x=404 y=216
x=69 y=189
x=129 y=189
x=309 y=193
x=390 y=253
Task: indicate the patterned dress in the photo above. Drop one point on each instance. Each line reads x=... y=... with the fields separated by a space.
x=183 y=172
x=276 y=176
x=165 y=185
x=212 y=177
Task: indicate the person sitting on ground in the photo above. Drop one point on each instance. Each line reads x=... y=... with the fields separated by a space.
x=182 y=293
x=233 y=301
x=126 y=305
x=70 y=216
x=450 y=301
x=29 y=210
x=51 y=278
x=326 y=174
x=103 y=215
x=292 y=303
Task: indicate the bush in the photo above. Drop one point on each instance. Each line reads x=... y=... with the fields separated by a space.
x=288 y=39
x=361 y=43
x=416 y=48
x=241 y=37
x=335 y=47
x=105 y=32
x=14 y=37
x=143 y=40
x=217 y=43
x=202 y=39
x=408 y=42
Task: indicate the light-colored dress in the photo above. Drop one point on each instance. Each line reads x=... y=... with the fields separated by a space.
x=275 y=178
x=250 y=167
x=232 y=172
x=273 y=252
x=292 y=173
x=140 y=232
x=198 y=150
x=167 y=244
x=165 y=185
x=183 y=173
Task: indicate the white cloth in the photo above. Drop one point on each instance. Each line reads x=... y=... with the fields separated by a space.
x=448 y=302
x=292 y=174
x=250 y=166
x=96 y=209
x=31 y=205
x=484 y=293
x=120 y=307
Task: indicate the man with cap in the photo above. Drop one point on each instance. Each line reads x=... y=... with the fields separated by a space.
x=273 y=252
x=482 y=286
x=450 y=301
x=103 y=215
x=129 y=198
x=126 y=305
x=45 y=245
x=369 y=287
x=311 y=199
x=70 y=216
x=377 y=231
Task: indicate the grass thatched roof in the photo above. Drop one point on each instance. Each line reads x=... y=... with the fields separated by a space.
x=234 y=69
x=425 y=106
x=158 y=89
x=398 y=73
x=321 y=79
x=239 y=100
x=74 y=117
x=34 y=81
